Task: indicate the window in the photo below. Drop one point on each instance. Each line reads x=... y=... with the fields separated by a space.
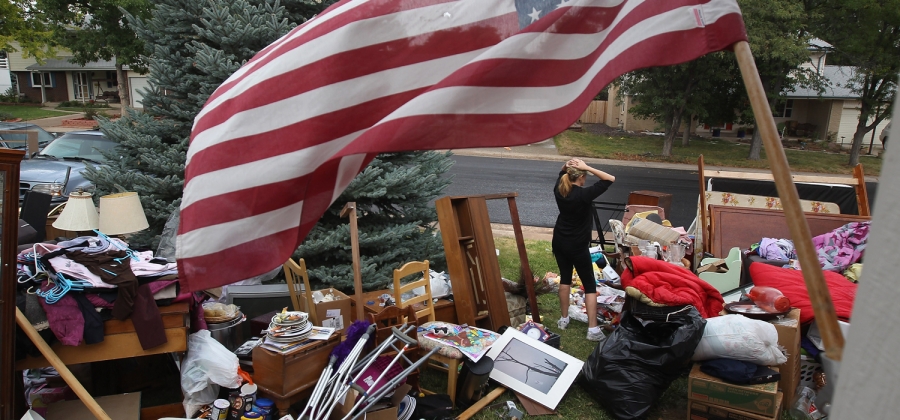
x=112 y=80
x=36 y=79
x=783 y=109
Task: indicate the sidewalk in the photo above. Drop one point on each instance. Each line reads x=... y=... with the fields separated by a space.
x=55 y=124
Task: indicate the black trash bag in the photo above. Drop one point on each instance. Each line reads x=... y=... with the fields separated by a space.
x=630 y=370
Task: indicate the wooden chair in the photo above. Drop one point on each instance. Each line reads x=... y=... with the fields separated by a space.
x=393 y=316
x=417 y=267
x=408 y=269
x=293 y=274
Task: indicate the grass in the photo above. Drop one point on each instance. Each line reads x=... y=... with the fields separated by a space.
x=578 y=402
x=27 y=113
x=716 y=152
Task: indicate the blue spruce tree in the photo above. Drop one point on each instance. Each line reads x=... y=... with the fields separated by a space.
x=193 y=46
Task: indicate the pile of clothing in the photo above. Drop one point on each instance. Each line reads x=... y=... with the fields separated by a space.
x=72 y=287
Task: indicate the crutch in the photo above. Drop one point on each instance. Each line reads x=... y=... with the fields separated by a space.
x=387 y=387
x=333 y=374
x=340 y=387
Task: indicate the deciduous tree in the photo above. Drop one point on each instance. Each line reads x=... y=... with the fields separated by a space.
x=98 y=30
x=865 y=34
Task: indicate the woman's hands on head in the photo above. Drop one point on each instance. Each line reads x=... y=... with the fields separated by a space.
x=577 y=164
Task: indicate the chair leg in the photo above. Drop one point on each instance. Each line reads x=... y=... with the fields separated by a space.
x=452 y=373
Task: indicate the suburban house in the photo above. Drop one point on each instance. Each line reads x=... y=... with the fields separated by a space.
x=58 y=80
x=804 y=113
x=5 y=78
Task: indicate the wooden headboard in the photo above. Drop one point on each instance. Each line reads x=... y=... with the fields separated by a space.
x=740 y=227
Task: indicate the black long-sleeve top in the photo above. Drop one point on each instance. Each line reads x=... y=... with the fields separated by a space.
x=574 y=223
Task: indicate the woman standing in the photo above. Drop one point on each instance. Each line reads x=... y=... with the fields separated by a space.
x=572 y=237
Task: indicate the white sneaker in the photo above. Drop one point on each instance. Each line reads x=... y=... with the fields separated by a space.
x=562 y=323
x=596 y=336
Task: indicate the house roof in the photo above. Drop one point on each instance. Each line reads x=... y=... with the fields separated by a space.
x=836 y=79
x=63 y=64
x=818 y=44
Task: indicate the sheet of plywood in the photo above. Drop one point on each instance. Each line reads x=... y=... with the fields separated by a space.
x=119 y=407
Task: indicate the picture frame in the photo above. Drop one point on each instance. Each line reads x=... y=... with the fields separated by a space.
x=537 y=370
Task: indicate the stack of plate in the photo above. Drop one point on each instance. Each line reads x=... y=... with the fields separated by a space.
x=407 y=406
x=289 y=327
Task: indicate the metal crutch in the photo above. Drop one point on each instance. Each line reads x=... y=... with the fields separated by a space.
x=342 y=388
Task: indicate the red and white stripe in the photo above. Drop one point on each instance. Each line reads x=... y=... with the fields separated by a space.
x=279 y=141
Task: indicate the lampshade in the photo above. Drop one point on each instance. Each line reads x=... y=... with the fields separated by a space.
x=122 y=213
x=79 y=213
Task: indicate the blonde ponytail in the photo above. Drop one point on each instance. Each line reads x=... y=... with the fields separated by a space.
x=566 y=180
x=565 y=185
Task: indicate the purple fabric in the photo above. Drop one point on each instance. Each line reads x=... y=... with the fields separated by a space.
x=776 y=249
x=65 y=318
x=159 y=285
x=842 y=247
x=98 y=301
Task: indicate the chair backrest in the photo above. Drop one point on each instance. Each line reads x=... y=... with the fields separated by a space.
x=35 y=207
x=293 y=274
x=418 y=268
x=391 y=316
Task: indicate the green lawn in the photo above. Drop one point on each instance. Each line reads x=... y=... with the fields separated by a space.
x=716 y=152
x=577 y=403
x=28 y=113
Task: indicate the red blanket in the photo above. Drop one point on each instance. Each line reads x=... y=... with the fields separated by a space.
x=790 y=282
x=668 y=284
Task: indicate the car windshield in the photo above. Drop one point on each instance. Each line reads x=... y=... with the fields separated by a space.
x=79 y=146
x=15 y=134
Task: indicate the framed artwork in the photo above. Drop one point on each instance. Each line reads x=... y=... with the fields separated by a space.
x=532 y=368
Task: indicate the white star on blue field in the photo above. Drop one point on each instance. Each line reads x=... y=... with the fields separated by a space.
x=532 y=10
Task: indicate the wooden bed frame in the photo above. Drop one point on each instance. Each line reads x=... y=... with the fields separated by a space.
x=741 y=226
x=858 y=181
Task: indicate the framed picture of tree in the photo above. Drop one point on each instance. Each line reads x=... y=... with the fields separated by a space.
x=532 y=368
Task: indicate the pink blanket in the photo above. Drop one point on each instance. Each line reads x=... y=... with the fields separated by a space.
x=668 y=284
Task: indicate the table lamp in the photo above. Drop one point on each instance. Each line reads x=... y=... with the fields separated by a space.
x=79 y=214
x=121 y=214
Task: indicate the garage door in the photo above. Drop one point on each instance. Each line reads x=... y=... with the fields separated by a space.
x=137 y=84
x=849 y=119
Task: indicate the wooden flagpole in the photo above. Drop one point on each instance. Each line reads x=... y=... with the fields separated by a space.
x=349 y=210
x=60 y=367
x=823 y=308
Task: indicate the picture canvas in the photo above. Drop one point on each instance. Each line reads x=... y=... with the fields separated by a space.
x=532 y=368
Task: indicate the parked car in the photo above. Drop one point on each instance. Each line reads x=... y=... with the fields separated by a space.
x=17 y=141
x=57 y=169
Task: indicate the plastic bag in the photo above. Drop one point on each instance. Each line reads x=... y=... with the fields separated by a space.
x=166 y=248
x=207 y=366
x=740 y=338
x=630 y=370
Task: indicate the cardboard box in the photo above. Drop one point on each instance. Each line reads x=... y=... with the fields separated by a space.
x=703 y=411
x=789 y=338
x=387 y=413
x=336 y=313
x=759 y=399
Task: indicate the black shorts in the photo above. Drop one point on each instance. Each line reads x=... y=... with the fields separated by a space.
x=580 y=259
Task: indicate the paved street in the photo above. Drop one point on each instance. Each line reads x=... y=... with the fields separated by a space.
x=533 y=180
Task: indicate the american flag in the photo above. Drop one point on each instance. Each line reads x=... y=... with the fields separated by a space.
x=279 y=140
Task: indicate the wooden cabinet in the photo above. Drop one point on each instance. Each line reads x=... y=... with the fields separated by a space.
x=9 y=181
x=472 y=262
x=651 y=198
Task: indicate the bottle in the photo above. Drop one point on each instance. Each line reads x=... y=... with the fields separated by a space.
x=769 y=299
